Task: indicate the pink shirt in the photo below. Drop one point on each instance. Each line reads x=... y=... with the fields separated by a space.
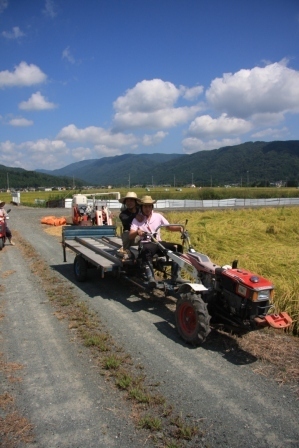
x=150 y=224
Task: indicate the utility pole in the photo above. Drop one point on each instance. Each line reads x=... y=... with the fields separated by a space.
x=129 y=181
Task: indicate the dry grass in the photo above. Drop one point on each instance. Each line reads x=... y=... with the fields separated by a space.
x=279 y=352
x=14 y=428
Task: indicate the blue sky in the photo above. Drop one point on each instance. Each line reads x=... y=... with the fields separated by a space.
x=85 y=80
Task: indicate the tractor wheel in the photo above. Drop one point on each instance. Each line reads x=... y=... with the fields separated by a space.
x=80 y=268
x=1 y=243
x=192 y=318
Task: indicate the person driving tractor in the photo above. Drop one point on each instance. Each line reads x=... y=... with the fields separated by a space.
x=151 y=221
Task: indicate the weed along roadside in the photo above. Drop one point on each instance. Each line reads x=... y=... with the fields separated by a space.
x=193 y=397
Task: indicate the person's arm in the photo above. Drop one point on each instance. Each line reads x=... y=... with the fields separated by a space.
x=175 y=228
x=135 y=229
x=164 y=222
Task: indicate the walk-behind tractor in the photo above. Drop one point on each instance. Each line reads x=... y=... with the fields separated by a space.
x=209 y=294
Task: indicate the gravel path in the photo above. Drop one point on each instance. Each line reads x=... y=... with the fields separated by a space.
x=71 y=406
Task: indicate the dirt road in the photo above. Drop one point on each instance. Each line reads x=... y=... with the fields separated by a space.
x=70 y=404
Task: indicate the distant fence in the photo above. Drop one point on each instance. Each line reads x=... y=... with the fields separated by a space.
x=202 y=204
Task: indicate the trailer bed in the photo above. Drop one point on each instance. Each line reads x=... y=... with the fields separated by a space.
x=98 y=245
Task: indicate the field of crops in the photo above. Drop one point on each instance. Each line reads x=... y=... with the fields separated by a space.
x=30 y=198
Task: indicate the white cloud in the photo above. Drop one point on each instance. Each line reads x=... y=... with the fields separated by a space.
x=192 y=93
x=191 y=144
x=20 y=122
x=3 y=5
x=160 y=119
x=97 y=136
x=14 y=34
x=267 y=119
x=41 y=153
x=148 y=96
x=45 y=153
x=23 y=75
x=36 y=102
x=105 y=151
x=206 y=126
x=66 y=54
x=50 y=9
x=274 y=134
x=82 y=153
x=150 y=105
x=272 y=89
x=150 y=140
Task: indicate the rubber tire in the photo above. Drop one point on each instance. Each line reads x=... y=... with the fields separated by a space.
x=192 y=318
x=1 y=243
x=80 y=268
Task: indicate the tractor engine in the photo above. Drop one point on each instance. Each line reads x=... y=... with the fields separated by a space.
x=245 y=296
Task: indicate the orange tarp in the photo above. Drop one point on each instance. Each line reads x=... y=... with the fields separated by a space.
x=53 y=221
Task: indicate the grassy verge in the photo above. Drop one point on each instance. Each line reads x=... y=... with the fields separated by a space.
x=15 y=429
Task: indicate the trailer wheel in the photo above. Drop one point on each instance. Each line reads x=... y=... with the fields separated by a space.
x=80 y=268
x=192 y=319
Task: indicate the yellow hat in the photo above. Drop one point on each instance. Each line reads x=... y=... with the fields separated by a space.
x=146 y=200
x=129 y=195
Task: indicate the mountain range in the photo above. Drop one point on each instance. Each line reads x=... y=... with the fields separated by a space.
x=250 y=163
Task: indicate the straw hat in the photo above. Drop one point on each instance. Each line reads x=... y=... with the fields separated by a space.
x=2 y=204
x=129 y=195
x=146 y=200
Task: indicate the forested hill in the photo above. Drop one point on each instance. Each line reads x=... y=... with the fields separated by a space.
x=253 y=163
x=19 y=178
x=118 y=170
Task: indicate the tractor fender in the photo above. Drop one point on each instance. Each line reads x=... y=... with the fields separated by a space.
x=194 y=287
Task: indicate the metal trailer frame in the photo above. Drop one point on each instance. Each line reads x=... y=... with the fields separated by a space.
x=96 y=244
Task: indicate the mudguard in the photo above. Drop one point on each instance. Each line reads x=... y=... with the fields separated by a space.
x=196 y=287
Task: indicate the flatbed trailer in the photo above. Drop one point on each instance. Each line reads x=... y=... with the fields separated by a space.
x=94 y=246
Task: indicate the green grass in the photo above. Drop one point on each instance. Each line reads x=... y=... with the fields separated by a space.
x=149 y=422
x=263 y=240
x=112 y=362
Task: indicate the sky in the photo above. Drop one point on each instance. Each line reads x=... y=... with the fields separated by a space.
x=99 y=78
